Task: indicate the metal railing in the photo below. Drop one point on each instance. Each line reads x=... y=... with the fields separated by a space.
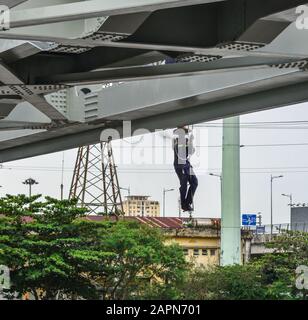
x=278 y=228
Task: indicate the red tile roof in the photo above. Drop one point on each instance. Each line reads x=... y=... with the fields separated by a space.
x=159 y=222
x=155 y=222
x=163 y=222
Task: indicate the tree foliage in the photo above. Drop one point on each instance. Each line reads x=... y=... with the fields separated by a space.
x=278 y=269
x=53 y=251
x=271 y=276
x=224 y=283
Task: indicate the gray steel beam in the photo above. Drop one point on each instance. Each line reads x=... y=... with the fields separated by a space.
x=145 y=106
x=12 y=3
x=5 y=108
x=8 y=125
x=149 y=46
x=92 y=9
x=8 y=77
x=268 y=99
x=162 y=71
x=40 y=103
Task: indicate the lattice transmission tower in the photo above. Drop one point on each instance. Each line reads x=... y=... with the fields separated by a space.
x=95 y=181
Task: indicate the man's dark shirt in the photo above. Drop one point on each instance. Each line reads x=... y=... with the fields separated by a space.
x=182 y=152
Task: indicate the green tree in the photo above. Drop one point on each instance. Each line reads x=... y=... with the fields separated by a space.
x=53 y=251
x=278 y=269
x=224 y=283
x=271 y=276
x=144 y=267
x=36 y=242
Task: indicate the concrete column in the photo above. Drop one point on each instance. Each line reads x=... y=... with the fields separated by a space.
x=247 y=250
x=231 y=198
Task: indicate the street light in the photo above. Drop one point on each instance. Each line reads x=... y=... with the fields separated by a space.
x=126 y=189
x=259 y=217
x=30 y=182
x=128 y=192
x=216 y=175
x=164 y=200
x=1 y=167
x=62 y=178
x=290 y=197
x=220 y=177
x=272 y=179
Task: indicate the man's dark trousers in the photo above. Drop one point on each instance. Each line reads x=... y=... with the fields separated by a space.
x=186 y=175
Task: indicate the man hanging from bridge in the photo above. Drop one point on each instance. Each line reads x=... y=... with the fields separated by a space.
x=183 y=149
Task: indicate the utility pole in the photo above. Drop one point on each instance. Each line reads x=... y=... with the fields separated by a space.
x=180 y=209
x=259 y=217
x=1 y=167
x=128 y=199
x=164 y=200
x=30 y=182
x=272 y=179
x=231 y=197
x=62 y=178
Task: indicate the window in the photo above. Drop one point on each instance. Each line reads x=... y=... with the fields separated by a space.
x=204 y=252
x=213 y=252
x=185 y=251
x=196 y=252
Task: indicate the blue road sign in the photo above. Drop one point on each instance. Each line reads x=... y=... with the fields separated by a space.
x=249 y=219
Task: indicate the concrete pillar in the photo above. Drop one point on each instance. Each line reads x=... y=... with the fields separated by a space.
x=231 y=198
x=247 y=250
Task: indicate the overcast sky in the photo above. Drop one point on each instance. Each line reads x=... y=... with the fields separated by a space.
x=257 y=164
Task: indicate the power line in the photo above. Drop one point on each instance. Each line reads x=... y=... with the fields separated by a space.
x=295 y=169
x=260 y=125
x=150 y=168
x=263 y=122
x=276 y=145
x=218 y=146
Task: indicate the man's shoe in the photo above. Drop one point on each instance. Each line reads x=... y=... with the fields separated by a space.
x=190 y=208
x=187 y=208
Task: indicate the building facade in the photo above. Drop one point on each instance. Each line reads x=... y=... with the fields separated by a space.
x=299 y=219
x=200 y=246
x=199 y=239
x=141 y=206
